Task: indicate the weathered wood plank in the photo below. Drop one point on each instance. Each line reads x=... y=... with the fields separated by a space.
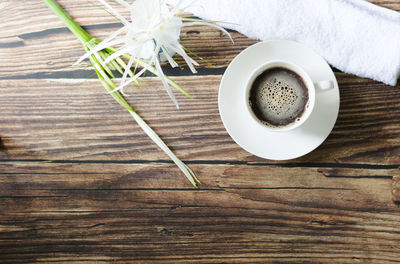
x=76 y=120
x=230 y=235
x=38 y=175
x=93 y=213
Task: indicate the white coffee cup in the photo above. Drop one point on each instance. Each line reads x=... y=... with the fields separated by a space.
x=310 y=86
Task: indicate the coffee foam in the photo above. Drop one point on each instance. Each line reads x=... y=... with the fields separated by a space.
x=278 y=97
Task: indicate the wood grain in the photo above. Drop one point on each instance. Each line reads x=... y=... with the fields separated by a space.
x=74 y=119
x=270 y=214
x=81 y=183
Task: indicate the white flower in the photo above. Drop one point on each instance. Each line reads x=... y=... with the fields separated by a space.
x=153 y=29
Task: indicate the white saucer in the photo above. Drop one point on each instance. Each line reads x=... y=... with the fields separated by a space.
x=277 y=145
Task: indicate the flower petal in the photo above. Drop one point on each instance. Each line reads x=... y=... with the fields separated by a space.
x=115 y=12
x=164 y=81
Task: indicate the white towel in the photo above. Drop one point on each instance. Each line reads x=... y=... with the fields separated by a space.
x=354 y=36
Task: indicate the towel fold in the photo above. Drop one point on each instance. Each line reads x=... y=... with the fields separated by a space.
x=354 y=36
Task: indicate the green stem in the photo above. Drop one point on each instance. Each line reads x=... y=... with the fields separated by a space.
x=79 y=32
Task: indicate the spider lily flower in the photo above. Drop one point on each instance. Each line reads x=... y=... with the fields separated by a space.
x=98 y=60
x=152 y=32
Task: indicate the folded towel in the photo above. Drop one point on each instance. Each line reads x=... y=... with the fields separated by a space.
x=354 y=36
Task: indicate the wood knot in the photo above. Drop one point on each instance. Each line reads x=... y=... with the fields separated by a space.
x=191 y=32
x=2 y=147
x=165 y=232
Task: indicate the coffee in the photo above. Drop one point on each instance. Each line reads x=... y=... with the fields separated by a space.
x=278 y=97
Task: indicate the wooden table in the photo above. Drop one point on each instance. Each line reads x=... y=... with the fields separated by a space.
x=81 y=183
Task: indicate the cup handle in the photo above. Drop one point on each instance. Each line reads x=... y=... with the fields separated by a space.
x=324 y=85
